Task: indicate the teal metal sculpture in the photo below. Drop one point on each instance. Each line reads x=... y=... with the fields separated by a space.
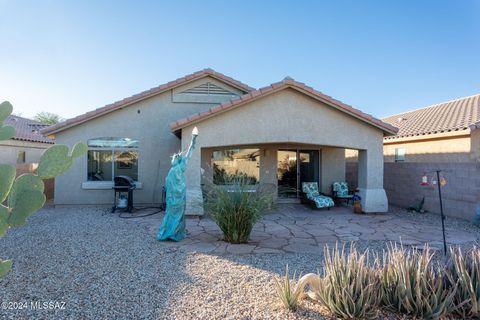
x=173 y=223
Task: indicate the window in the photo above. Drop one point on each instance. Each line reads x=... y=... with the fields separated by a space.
x=399 y=154
x=109 y=157
x=231 y=163
x=21 y=157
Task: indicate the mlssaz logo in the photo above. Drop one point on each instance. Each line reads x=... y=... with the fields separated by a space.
x=50 y=305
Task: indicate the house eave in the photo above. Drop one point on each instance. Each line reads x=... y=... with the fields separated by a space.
x=177 y=126
x=144 y=96
x=427 y=136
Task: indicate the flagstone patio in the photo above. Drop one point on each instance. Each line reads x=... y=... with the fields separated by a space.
x=299 y=229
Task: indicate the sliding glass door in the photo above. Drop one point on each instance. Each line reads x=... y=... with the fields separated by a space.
x=294 y=167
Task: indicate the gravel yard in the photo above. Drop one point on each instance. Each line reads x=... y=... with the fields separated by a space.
x=105 y=267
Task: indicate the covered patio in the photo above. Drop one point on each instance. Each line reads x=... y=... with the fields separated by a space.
x=286 y=122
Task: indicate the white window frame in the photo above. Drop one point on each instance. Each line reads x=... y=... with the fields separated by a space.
x=113 y=150
x=400 y=157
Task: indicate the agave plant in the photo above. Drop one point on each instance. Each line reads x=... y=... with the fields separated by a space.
x=349 y=287
x=411 y=284
x=464 y=273
x=289 y=294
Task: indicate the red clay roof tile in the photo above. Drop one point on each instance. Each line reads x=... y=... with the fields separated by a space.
x=27 y=129
x=143 y=95
x=455 y=115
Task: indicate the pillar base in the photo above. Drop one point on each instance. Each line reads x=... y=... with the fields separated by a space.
x=194 y=206
x=374 y=200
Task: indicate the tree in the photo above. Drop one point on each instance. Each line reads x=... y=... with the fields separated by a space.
x=47 y=118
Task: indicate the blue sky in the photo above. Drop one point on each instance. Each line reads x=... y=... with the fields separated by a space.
x=383 y=57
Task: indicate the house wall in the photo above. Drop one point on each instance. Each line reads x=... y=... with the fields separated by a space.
x=9 y=150
x=288 y=117
x=461 y=195
x=446 y=149
x=459 y=156
x=147 y=121
x=333 y=168
x=475 y=145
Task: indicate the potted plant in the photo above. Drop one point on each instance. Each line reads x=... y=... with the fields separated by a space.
x=357 y=204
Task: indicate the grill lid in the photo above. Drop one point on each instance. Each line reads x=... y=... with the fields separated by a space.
x=123 y=181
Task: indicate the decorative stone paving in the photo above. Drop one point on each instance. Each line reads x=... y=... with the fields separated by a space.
x=299 y=229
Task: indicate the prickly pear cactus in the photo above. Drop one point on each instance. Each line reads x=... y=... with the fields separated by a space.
x=24 y=194
x=6 y=132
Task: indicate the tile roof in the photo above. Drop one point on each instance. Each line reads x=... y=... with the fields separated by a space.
x=454 y=115
x=286 y=83
x=144 y=95
x=27 y=129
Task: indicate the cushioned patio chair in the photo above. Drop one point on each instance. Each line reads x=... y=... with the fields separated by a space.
x=341 y=193
x=314 y=198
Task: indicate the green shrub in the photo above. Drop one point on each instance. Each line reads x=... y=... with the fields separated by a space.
x=289 y=294
x=237 y=206
x=349 y=287
x=412 y=285
x=464 y=274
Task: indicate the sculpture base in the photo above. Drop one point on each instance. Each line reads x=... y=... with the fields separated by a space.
x=194 y=205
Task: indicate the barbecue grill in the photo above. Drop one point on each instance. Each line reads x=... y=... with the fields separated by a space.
x=123 y=185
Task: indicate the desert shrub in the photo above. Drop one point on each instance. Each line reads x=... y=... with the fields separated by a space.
x=287 y=291
x=349 y=287
x=411 y=284
x=464 y=274
x=237 y=206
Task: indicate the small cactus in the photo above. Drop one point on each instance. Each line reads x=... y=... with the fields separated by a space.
x=24 y=194
x=5 y=267
x=7 y=177
x=6 y=132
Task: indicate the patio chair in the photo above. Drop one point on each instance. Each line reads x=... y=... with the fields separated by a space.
x=314 y=198
x=341 y=193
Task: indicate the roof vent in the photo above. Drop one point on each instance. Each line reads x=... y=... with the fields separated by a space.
x=208 y=89
x=400 y=119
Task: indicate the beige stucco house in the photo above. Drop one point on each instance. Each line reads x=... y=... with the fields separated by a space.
x=283 y=134
x=444 y=132
x=27 y=145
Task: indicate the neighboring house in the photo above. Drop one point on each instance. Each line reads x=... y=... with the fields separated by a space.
x=445 y=137
x=444 y=132
x=283 y=135
x=28 y=144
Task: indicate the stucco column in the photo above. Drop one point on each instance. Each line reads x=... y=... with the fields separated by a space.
x=332 y=168
x=268 y=167
x=370 y=180
x=194 y=204
x=475 y=143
